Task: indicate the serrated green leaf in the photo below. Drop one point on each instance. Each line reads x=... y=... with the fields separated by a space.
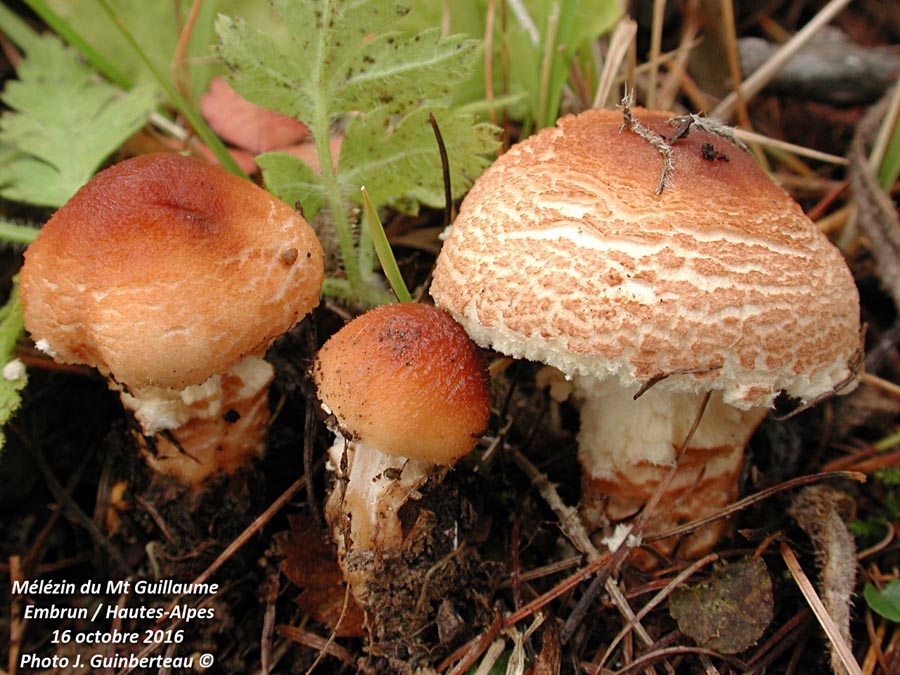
x=88 y=20
x=64 y=122
x=393 y=162
x=886 y=601
x=293 y=181
x=396 y=73
x=342 y=59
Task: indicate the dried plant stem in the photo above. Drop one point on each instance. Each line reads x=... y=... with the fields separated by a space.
x=619 y=46
x=656 y=31
x=734 y=60
x=759 y=78
x=573 y=528
x=817 y=510
x=755 y=498
x=841 y=649
x=654 y=601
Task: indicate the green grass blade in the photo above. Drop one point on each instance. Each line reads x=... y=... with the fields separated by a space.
x=67 y=33
x=383 y=250
x=16 y=29
x=17 y=234
x=194 y=118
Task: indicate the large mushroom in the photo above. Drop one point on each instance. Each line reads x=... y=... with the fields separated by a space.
x=172 y=277
x=567 y=253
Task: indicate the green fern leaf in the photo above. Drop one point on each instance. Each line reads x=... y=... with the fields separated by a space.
x=63 y=123
x=342 y=59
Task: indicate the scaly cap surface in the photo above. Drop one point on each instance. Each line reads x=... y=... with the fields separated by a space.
x=563 y=253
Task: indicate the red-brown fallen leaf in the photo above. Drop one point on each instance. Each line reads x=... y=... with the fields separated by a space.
x=310 y=562
x=246 y=125
x=244 y=159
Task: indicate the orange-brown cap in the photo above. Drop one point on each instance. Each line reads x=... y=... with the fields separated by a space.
x=164 y=270
x=406 y=379
x=563 y=253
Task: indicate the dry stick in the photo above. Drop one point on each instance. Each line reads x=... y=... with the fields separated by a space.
x=817 y=510
x=490 y=12
x=677 y=66
x=758 y=497
x=17 y=623
x=665 y=653
x=734 y=60
x=63 y=496
x=656 y=31
x=760 y=77
x=619 y=44
x=177 y=71
x=654 y=601
x=314 y=641
x=886 y=132
x=753 y=137
x=572 y=527
x=328 y=644
x=876 y=214
x=230 y=550
x=806 y=587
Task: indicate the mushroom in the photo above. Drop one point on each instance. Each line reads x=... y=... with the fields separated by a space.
x=717 y=287
x=408 y=395
x=172 y=277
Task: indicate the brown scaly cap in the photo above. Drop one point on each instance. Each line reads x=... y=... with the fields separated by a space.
x=563 y=253
x=406 y=379
x=164 y=270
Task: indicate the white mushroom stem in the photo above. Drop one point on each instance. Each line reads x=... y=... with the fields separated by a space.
x=627 y=446
x=363 y=509
x=218 y=425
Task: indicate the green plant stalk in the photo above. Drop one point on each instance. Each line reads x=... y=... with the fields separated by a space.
x=550 y=54
x=67 y=33
x=12 y=321
x=201 y=128
x=355 y=288
x=17 y=234
x=890 y=165
x=383 y=249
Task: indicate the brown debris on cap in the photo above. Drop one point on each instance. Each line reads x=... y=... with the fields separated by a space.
x=164 y=270
x=562 y=253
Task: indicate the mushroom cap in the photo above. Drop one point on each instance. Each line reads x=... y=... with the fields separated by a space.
x=407 y=380
x=164 y=270
x=562 y=253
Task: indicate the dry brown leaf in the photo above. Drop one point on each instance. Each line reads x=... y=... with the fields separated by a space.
x=311 y=564
x=729 y=611
x=246 y=125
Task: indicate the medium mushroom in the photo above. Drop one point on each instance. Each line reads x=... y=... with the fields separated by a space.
x=718 y=286
x=172 y=276
x=407 y=393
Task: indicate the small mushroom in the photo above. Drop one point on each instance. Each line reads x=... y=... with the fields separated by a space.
x=172 y=277
x=408 y=395
x=563 y=253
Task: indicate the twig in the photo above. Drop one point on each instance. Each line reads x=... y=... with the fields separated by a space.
x=654 y=139
x=757 y=497
x=817 y=510
x=572 y=527
x=656 y=31
x=753 y=84
x=654 y=601
x=825 y=620
x=303 y=637
x=619 y=44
